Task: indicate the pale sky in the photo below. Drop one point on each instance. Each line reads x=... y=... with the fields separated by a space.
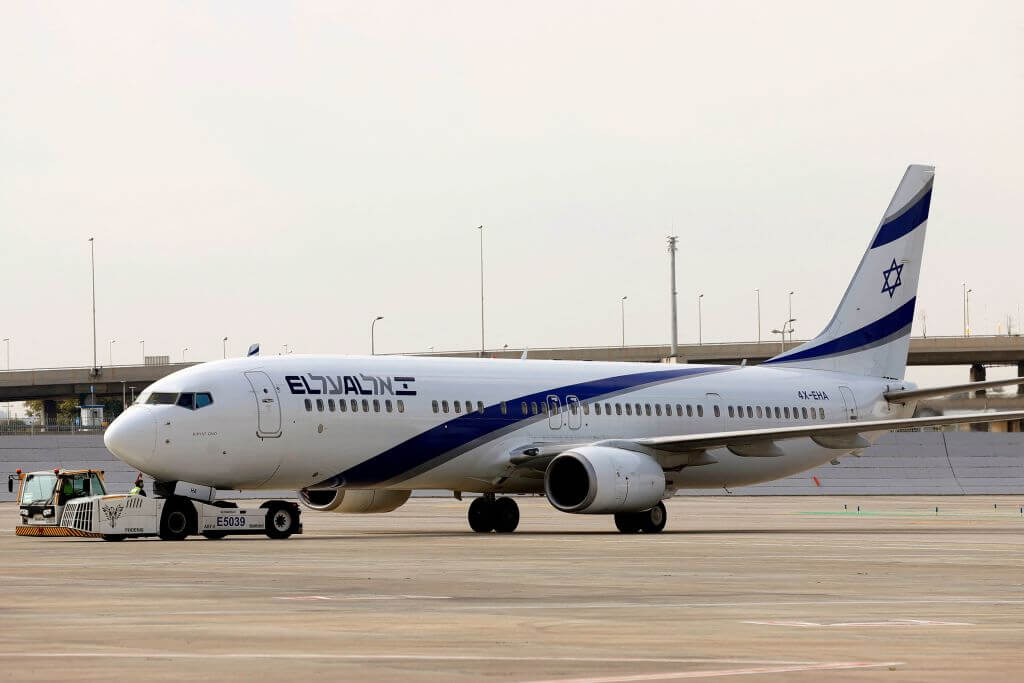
x=284 y=172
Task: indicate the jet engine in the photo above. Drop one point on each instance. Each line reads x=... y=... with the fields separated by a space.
x=353 y=501
x=601 y=479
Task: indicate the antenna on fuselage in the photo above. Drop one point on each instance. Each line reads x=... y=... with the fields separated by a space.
x=525 y=351
x=254 y=350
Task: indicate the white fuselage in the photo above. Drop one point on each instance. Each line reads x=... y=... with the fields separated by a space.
x=277 y=422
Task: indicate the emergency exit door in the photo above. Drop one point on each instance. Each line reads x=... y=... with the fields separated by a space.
x=268 y=404
x=850 y=401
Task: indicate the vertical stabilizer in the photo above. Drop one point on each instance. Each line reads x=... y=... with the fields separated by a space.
x=870 y=331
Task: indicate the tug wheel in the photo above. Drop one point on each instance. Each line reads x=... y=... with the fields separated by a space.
x=176 y=521
x=282 y=520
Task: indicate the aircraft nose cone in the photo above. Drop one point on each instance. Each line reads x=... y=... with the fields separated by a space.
x=132 y=437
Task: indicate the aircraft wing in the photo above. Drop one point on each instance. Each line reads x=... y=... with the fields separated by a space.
x=929 y=392
x=843 y=436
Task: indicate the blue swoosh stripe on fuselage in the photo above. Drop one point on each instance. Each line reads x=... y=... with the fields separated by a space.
x=905 y=222
x=403 y=461
x=884 y=327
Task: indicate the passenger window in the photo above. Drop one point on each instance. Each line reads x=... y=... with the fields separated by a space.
x=401 y=406
x=668 y=410
x=629 y=409
x=689 y=410
x=718 y=413
x=572 y=407
x=355 y=406
x=750 y=412
x=785 y=412
x=480 y=407
x=203 y=400
x=618 y=409
x=387 y=405
x=544 y=407
x=330 y=404
x=759 y=412
x=376 y=405
x=366 y=406
x=341 y=405
x=586 y=409
x=457 y=406
x=638 y=410
x=504 y=408
x=607 y=408
x=320 y=405
x=803 y=412
x=657 y=409
x=433 y=404
x=469 y=407
x=187 y=401
x=647 y=409
x=444 y=406
x=730 y=411
x=309 y=405
x=778 y=413
x=533 y=407
x=523 y=406
x=821 y=413
x=700 y=410
x=597 y=409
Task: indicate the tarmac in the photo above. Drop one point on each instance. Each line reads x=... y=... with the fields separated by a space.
x=765 y=589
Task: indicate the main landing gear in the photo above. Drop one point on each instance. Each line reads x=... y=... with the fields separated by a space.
x=649 y=521
x=488 y=513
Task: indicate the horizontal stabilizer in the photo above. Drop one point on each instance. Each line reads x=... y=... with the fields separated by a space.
x=948 y=390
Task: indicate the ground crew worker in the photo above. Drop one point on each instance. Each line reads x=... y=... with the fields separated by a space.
x=137 y=490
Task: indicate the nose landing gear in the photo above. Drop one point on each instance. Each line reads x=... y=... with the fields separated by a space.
x=487 y=513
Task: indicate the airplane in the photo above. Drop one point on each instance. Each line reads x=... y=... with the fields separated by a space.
x=359 y=434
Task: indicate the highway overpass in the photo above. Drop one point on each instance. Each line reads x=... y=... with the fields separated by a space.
x=52 y=384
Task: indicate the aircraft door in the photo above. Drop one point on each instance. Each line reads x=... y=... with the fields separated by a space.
x=713 y=404
x=575 y=417
x=850 y=401
x=554 y=413
x=268 y=404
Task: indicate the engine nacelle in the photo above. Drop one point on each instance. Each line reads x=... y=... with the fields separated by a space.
x=602 y=480
x=354 y=501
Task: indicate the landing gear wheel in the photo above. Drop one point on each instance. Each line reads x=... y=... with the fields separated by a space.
x=177 y=520
x=113 y=537
x=214 y=535
x=282 y=519
x=481 y=515
x=506 y=515
x=653 y=521
x=627 y=522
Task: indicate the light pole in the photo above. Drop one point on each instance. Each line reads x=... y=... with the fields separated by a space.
x=675 y=329
x=142 y=343
x=110 y=351
x=791 y=315
x=783 y=332
x=7 y=341
x=758 y=293
x=373 y=351
x=622 y=302
x=967 y=312
x=92 y=260
x=124 y=395
x=700 y=321
x=132 y=389
x=224 y=346
x=183 y=352
x=963 y=306
x=481 y=229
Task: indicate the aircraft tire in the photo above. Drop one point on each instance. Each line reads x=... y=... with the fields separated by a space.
x=506 y=515
x=653 y=521
x=481 y=515
x=282 y=520
x=113 y=537
x=627 y=522
x=177 y=520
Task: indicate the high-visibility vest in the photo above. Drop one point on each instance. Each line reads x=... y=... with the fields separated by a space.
x=136 y=490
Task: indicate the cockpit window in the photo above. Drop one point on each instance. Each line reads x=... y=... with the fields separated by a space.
x=202 y=400
x=158 y=398
x=187 y=400
x=194 y=401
